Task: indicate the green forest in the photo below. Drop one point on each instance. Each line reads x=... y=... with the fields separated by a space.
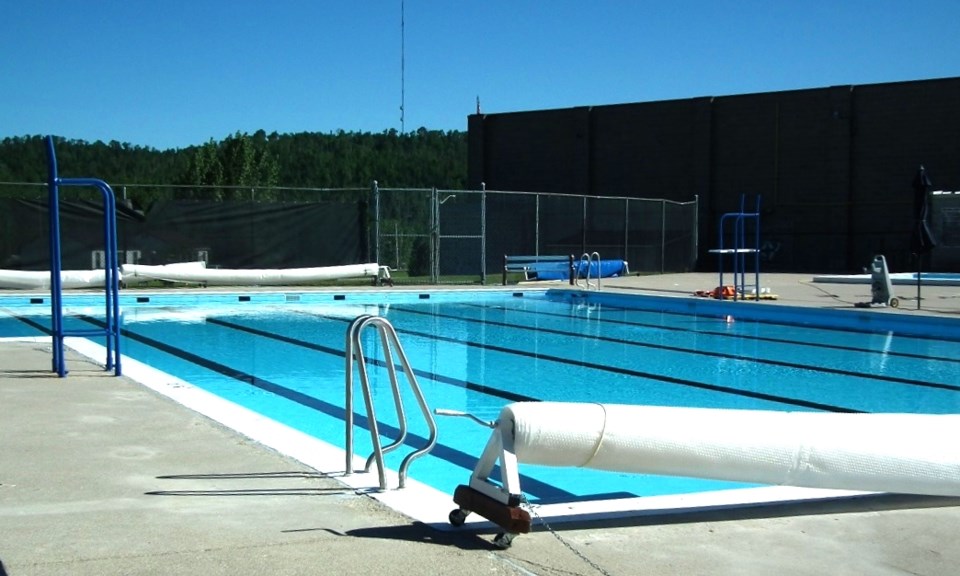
x=262 y=168
x=420 y=159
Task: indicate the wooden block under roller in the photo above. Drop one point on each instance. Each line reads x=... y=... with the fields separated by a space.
x=510 y=518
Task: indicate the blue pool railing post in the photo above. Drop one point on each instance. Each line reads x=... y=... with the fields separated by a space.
x=56 y=307
x=111 y=328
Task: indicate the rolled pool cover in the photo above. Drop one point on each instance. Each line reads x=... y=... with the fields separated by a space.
x=40 y=280
x=184 y=272
x=902 y=453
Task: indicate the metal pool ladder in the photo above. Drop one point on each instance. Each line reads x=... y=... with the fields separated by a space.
x=354 y=354
x=588 y=259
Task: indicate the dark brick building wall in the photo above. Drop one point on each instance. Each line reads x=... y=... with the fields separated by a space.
x=833 y=165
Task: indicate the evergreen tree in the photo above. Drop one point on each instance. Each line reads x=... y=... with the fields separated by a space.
x=420 y=159
x=206 y=169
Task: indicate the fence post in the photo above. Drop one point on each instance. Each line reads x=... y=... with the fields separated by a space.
x=483 y=233
x=583 y=227
x=434 y=237
x=696 y=230
x=536 y=224
x=375 y=190
x=663 y=236
x=626 y=229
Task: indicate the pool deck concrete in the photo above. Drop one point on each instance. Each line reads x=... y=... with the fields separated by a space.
x=801 y=290
x=100 y=475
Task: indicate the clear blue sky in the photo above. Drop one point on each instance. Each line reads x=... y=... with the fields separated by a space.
x=174 y=73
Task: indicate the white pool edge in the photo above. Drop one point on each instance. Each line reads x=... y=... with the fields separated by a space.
x=416 y=500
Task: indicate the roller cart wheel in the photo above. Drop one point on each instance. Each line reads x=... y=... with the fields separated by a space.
x=457 y=516
x=503 y=540
x=894 y=302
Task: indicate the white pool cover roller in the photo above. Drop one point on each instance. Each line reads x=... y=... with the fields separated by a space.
x=40 y=280
x=905 y=453
x=248 y=277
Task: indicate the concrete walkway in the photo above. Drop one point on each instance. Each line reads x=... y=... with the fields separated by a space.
x=801 y=290
x=99 y=475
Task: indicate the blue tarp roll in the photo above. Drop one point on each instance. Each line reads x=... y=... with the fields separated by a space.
x=608 y=269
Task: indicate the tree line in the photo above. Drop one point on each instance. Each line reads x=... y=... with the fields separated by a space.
x=223 y=169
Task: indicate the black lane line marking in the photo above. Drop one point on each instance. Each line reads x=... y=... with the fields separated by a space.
x=483 y=389
x=781 y=322
x=45 y=329
x=724 y=355
x=639 y=374
x=448 y=453
x=747 y=336
x=601 y=368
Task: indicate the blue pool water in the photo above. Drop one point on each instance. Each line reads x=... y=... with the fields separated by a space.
x=282 y=355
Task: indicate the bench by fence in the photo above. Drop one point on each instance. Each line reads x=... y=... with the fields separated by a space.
x=532 y=266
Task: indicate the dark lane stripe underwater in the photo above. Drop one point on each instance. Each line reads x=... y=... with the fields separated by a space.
x=746 y=336
x=782 y=363
x=467 y=461
x=599 y=367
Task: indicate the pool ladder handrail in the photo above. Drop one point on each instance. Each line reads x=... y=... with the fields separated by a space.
x=354 y=353
x=111 y=269
x=589 y=258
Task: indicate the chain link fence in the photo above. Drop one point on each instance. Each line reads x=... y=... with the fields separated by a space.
x=429 y=236
x=461 y=236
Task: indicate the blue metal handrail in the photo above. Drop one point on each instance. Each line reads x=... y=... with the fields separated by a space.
x=740 y=249
x=111 y=329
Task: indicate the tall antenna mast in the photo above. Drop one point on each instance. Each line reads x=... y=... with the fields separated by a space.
x=402 y=66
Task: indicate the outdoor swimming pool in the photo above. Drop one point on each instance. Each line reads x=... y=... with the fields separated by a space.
x=282 y=356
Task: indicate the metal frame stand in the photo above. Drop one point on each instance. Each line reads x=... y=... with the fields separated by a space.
x=498 y=502
x=740 y=249
x=111 y=328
